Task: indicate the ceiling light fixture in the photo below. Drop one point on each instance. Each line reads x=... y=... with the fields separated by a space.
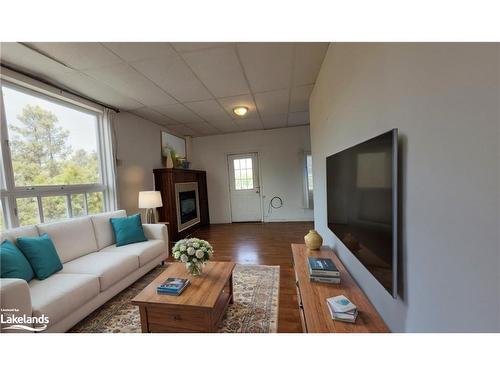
x=240 y=111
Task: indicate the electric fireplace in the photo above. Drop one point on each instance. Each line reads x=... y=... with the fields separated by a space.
x=187 y=204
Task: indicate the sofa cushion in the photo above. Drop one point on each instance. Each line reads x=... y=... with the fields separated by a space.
x=61 y=294
x=13 y=263
x=128 y=230
x=12 y=234
x=145 y=251
x=109 y=267
x=72 y=238
x=41 y=254
x=102 y=227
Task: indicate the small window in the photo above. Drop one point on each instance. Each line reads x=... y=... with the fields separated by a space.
x=54 y=208
x=308 y=181
x=2 y=220
x=27 y=211
x=243 y=174
x=95 y=203
x=78 y=205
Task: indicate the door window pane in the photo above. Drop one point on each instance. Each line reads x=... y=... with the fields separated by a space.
x=50 y=143
x=54 y=208
x=27 y=211
x=77 y=205
x=95 y=203
x=243 y=174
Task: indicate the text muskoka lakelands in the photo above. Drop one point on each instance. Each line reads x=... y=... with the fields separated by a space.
x=24 y=319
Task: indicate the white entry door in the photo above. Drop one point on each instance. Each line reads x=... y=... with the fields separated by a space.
x=244 y=187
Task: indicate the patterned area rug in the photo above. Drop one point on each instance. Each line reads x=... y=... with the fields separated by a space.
x=255 y=307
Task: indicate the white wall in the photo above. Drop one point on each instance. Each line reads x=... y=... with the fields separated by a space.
x=281 y=163
x=138 y=153
x=444 y=98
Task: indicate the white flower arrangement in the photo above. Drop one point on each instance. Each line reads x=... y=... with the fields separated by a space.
x=193 y=252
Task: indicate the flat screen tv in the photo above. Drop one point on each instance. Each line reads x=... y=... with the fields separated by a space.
x=362 y=199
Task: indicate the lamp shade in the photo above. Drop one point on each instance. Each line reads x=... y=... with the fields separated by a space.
x=150 y=199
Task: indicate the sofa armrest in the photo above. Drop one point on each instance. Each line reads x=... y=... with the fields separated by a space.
x=156 y=232
x=15 y=300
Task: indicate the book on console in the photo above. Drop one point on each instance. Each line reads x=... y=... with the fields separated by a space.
x=348 y=317
x=341 y=304
x=325 y=279
x=322 y=267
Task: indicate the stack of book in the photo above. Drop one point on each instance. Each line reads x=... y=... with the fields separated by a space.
x=323 y=270
x=172 y=286
x=342 y=309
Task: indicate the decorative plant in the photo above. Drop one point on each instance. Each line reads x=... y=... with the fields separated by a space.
x=194 y=253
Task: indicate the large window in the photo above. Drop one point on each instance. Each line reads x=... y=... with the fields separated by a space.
x=52 y=153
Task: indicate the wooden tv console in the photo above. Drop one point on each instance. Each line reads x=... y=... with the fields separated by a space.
x=312 y=297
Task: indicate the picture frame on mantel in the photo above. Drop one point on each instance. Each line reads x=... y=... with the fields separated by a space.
x=178 y=145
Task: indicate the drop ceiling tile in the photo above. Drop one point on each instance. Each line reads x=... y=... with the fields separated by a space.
x=209 y=110
x=137 y=51
x=189 y=47
x=178 y=112
x=78 y=55
x=236 y=101
x=298 y=118
x=156 y=117
x=226 y=126
x=272 y=102
x=250 y=123
x=219 y=69
x=203 y=128
x=181 y=130
x=308 y=60
x=26 y=60
x=175 y=77
x=268 y=66
x=275 y=121
x=130 y=83
x=96 y=90
x=299 y=101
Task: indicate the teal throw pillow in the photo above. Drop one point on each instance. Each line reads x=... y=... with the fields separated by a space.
x=42 y=255
x=128 y=229
x=13 y=263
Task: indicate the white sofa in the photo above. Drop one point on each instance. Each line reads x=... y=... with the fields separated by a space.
x=94 y=269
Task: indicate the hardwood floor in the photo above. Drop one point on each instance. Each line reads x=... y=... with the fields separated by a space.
x=267 y=244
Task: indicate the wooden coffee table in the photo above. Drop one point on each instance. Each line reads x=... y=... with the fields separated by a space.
x=199 y=308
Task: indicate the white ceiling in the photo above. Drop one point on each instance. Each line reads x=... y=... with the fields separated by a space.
x=189 y=88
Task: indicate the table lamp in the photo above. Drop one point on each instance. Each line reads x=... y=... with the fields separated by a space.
x=150 y=200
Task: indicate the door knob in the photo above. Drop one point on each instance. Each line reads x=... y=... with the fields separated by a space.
x=257 y=191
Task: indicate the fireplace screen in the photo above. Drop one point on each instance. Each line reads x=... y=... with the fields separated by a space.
x=188 y=211
x=187 y=201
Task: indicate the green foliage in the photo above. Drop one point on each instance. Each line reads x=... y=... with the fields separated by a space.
x=41 y=155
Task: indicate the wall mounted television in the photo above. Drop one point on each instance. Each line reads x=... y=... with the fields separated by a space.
x=362 y=199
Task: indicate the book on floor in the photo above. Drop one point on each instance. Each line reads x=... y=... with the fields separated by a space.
x=322 y=267
x=172 y=286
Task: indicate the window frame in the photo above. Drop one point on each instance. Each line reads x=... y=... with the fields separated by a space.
x=308 y=193
x=252 y=169
x=9 y=192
